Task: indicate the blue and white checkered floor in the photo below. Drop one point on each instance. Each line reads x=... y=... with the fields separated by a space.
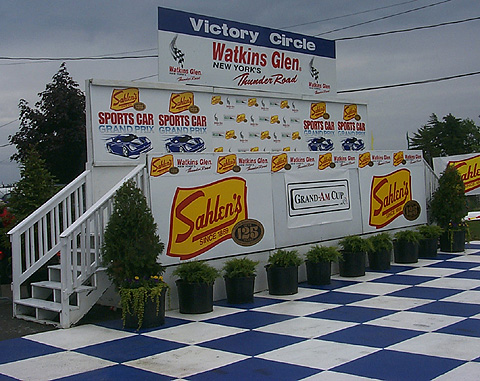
x=414 y=322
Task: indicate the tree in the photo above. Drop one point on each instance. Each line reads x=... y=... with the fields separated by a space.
x=35 y=187
x=55 y=128
x=451 y=136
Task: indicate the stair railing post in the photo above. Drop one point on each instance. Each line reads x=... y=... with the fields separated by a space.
x=66 y=280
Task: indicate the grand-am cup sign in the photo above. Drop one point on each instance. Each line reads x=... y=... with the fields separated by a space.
x=216 y=52
x=469 y=170
x=204 y=216
x=388 y=196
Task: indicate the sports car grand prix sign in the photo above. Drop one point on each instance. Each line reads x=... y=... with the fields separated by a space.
x=204 y=50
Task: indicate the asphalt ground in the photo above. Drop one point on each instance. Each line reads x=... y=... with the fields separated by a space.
x=11 y=328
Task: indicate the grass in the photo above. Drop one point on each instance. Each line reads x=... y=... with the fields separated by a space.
x=474 y=227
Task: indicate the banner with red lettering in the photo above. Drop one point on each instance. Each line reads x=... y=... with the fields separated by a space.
x=209 y=209
x=392 y=197
x=468 y=166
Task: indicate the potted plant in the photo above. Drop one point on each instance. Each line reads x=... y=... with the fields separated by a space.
x=428 y=243
x=354 y=252
x=239 y=275
x=319 y=264
x=448 y=208
x=130 y=250
x=406 y=246
x=380 y=253
x=282 y=272
x=195 y=286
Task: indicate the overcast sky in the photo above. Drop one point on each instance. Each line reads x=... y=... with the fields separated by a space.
x=72 y=28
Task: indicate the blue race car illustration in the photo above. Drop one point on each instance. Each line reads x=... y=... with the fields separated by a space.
x=128 y=145
x=184 y=143
x=353 y=144
x=320 y=144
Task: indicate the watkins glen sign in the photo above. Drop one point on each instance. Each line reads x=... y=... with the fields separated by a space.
x=388 y=196
x=204 y=50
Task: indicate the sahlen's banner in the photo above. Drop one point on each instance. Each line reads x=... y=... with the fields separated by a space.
x=393 y=194
x=468 y=166
x=317 y=197
x=204 y=50
x=213 y=206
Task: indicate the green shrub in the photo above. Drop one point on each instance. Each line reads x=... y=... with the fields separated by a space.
x=323 y=254
x=240 y=268
x=381 y=242
x=196 y=272
x=408 y=236
x=355 y=244
x=285 y=258
x=430 y=231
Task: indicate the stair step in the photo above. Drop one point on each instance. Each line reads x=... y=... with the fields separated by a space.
x=43 y=304
x=57 y=286
x=41 y=321
x=48 y=284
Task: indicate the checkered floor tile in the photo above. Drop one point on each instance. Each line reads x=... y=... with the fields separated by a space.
x=412 y=322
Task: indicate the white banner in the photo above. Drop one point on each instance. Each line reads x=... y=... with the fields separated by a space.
x=468 y=166
x=204 y=50
x=316 y=198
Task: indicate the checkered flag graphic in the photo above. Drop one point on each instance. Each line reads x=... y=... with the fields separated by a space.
x=313 y=72
x=177 y=54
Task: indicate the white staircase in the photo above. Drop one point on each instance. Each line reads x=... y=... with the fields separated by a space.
x=57 y=272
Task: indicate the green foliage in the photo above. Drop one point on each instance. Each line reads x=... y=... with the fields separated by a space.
x=381 y=242
x=35 y=187
x=408 y=236
x=55 y=128
x=430 y=231
x=449 y=206
x=285 y=258
x=196 y=272
x=451 y=136
x=355 y=244
x=131 y=244
x=322 y=254
x=133 y=300
x=240 y=267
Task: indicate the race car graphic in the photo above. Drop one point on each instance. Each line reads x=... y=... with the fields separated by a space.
x=320 y=144
x=184 y=143
x=353 y=144
x=128 y=145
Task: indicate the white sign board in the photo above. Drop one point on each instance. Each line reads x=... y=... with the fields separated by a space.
x=129 y=119
x=204 y=50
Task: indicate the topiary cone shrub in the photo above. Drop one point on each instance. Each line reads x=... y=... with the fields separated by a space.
x=130 y=252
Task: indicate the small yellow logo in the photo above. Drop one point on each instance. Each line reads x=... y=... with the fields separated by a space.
x=124 y=98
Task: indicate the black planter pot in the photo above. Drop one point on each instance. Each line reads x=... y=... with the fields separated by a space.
x=150 y=316
x=240 y=290
x=428 y=248
x=379 y=260
x=318 y=273
x=352 y=264
x=453 y=242
x=405 y=252
x=282 y=280
x=194 y=298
